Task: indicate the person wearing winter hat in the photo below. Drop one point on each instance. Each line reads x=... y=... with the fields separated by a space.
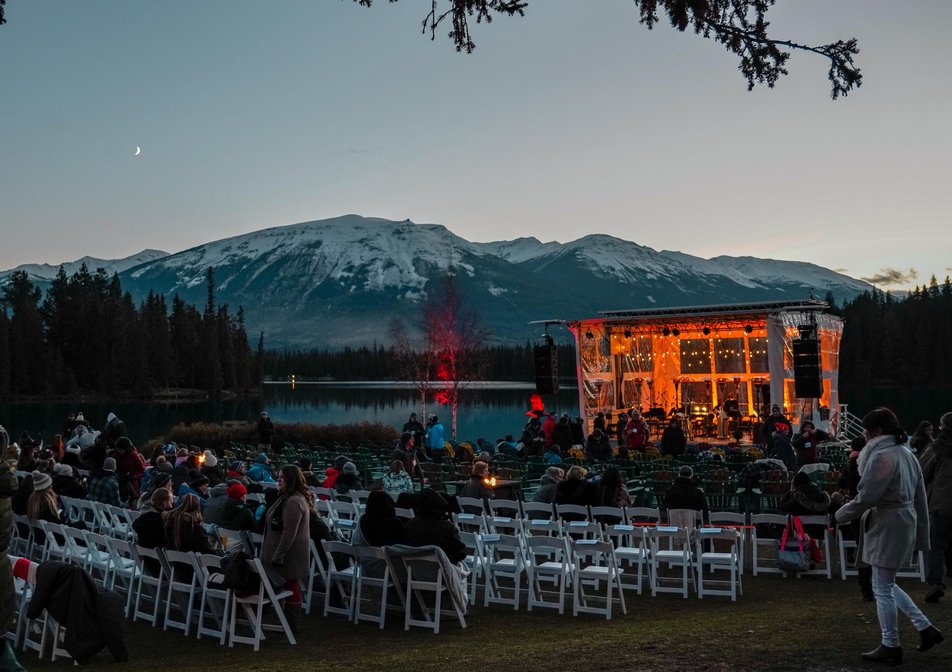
x=548 y=484
x=42 y=504
x=130 y=467
x=65 y=483
x=236 y=472
x=212 y=471
x=103 y=485
x=160 y=481
x=215 y=504
x=431 y=525
x=236 y=515
x=260 y=471
x=806 y=498
x=684 y=493
x=114 y=430
x=348 y=480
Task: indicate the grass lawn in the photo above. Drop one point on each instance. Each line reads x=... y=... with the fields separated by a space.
x=778 y=624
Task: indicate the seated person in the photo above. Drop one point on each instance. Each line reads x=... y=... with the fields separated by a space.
x=432 y=526
x=379 y=526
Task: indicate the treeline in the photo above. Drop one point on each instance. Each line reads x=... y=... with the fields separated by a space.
x=898 y=342
x=87 y=336
x=379 y=363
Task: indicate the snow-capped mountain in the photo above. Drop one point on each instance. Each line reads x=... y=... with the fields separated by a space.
x=43 y=273
x=338 y=281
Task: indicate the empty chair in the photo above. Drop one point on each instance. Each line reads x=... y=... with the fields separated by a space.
x=505 y=559
x=317 y=581
x=736 y=521
x=643 y=514
x=430 y=579
x=548 y=561
x=845 y=546
x=670 y=548
x=374 y=577
x=470 y=522
x=150 y=579
x=214 y=602
x=594 y=563
x=571 y=512
x=538 y=511
x=508 y=508
x=718 y=550
x=181 y=587
x=342 y=571
x=631 y=552
x=475 y=561
x=253 y=608
x=123 y=571
x=471 y=505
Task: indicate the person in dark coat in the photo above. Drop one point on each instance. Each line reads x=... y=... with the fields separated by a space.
x=684 y=493
x=211 y=469
x=806 y=498
x=673 y=440
x=93 y=618
x=848 y=484
x=575 y=489
x=476 y=486
x=8 y=599
x=150 y=525
x=562 y=434
x=598 y=448
x=414 y=427
x=185 y=471
x=548 y=485
x=806 y=441
x=114 y=430
x=379 y=526
x=936 y=461
x=236 y=515
x=770 y=425
x=265 y=432
x=65 y=483
x=431 y=526
x=185 y=528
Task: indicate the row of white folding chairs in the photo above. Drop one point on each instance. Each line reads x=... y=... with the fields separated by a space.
x=114 y=521
x=512 y=508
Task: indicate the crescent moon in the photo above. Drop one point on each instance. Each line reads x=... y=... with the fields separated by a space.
x=138 y=151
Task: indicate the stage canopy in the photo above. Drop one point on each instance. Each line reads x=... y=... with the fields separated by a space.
x=692 y=359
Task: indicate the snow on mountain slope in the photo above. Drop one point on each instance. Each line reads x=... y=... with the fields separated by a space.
x=49 y=271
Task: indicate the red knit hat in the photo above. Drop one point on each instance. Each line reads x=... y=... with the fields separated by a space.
x=237 y=491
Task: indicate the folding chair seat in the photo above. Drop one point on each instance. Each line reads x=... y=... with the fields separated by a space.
x=549 y=560
x=671 y=547
x=710 y=554
x=736 y=521
x=122 y=519
x=181 y=587
x=77 y=551
x=766 y=530
x=594 y=562
x=342 y=571
x=374 y=576
x=505 y=559
x=253 y=608
x=215 y=597
x=631 y=551
x=429 y=572
x=149 y=584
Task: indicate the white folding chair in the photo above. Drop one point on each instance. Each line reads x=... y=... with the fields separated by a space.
x=826 y=567
x=181 y=587
x=507 y=508
x=342 y=571
x=843 y=548
x=150 y=580
x=670 y=548
x=548 y=560
x=123 y=574
x=538 y=511
x=505 y=559
x=475 y=561
x=471 y=505
x=215 y=598
x=428 y=573
x=594 y=562
x=99 y=558
x=631 y=552
x=317 y=580
x=568 y=512
x=766 y=530
x=374 y=573
x=643 y=514
x=737 y=521
x=471 y=522
x=253 y=608
x=710 y=554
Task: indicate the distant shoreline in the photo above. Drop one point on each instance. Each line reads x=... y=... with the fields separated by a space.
x=411 y=385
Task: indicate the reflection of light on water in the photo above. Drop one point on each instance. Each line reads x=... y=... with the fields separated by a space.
x=293 y=381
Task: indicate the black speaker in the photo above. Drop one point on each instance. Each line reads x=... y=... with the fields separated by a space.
x=546 y=369
x=807 y=375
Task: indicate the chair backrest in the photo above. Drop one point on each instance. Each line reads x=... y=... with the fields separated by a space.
x=642 y=514
x=550 y=548
x=497 y=546
x=608 y=515
x=624 y=535
x=471 y=505
x=550 y=527
x=538 y=510
x=505 y=507
x=471 y=522
x=572 y=511
x=689 y=519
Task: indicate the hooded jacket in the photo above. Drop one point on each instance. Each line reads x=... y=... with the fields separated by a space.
x=215 y=504
x=548 y=485
x=936 y=463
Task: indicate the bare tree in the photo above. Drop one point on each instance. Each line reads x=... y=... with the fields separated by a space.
x=414 y=361
x=458 y=336
x=739 y=25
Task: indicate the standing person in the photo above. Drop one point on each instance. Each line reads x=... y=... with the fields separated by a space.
x=636 y=433
x=285 y=547
x=891 y=498
x=265 y=432
x=922 y=437
x=805 y=443
x=562 y=434
x=936 y=461
x=114 y=430
x=415 y=427
x=620 y=427
x=435 y=439
x=130 y=466
x=598 y=449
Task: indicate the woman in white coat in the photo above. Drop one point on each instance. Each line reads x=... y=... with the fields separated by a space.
x=891 y=498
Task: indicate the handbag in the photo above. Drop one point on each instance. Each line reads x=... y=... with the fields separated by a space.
x=793 y=554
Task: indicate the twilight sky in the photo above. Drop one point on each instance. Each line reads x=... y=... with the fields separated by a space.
x=569 y=121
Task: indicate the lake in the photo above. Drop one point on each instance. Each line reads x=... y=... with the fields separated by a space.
x=489 y=412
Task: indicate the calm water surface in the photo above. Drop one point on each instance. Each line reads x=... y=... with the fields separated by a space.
x=489 y=413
